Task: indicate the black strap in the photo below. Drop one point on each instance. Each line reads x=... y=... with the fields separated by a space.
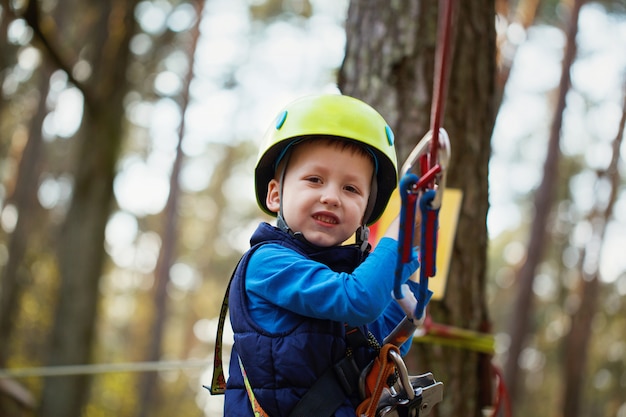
x=355 y=337
x=329 y=391
x=338 y=382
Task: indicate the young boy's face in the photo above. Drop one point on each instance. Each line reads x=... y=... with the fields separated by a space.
x=325 y=192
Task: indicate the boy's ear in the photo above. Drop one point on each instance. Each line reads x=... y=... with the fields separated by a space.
x=272 y=200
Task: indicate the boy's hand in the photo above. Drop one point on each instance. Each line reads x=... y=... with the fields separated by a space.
x=408 y=302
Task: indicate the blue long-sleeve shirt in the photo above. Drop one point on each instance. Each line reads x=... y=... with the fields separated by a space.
x=280 y=282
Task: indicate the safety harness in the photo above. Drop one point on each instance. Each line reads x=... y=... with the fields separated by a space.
x=328 y=392
x=384 y=385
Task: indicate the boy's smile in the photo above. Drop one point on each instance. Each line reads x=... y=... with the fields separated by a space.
x=325 y=192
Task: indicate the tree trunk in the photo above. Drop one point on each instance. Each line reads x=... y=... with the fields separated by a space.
x=149 y=398
x=16 y=276
x=576 y=344
x=544 y=199
x=80 y=246
x=7 y=51
x=24 y=196
x=390 y=64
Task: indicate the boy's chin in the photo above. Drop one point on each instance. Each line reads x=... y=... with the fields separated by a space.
x=323 y=241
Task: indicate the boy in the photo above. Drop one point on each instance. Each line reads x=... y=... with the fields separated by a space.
x=308 y=311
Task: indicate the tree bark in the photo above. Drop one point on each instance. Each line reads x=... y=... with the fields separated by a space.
x=389 y=63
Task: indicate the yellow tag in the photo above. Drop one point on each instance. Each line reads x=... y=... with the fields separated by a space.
x=448 y=220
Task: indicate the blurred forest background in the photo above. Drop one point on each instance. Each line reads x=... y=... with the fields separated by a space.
x=128 y=134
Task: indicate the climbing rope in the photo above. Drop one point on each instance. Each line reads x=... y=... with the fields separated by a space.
x=423 y=174
x=422 y=184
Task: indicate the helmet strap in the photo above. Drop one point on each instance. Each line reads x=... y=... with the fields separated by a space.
x=363 y=232
x=281 y=223
x=361 y=237
x=371 y=201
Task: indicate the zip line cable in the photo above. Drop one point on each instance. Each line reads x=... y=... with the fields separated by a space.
x=103 y=368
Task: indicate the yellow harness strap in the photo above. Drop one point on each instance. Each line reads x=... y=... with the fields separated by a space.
x=256 y=407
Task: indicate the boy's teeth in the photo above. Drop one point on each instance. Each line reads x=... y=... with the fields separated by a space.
x=326 y=219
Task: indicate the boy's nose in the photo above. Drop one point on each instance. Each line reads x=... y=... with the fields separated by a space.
x=330 y=196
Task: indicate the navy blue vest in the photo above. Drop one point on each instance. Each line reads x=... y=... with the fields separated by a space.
x=282 y=367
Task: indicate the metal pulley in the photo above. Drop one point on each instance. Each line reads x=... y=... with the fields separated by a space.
x=411 y=396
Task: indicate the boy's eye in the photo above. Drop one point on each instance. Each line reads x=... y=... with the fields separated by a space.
x=352 y=189
x=315 y=180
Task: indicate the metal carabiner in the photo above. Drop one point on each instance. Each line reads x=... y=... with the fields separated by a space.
x=403 y=374
x=415 y=396
x=440 y=166
x=420 y=149
x=443 y=156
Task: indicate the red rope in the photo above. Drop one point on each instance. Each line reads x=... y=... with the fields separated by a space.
x=442 y=64
x=440 y=85
x=502 y=394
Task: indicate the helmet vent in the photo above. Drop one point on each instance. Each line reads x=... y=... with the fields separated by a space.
x=280 y=121
x=389 y=133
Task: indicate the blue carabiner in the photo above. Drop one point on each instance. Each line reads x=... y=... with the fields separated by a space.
x=406 y=231
x=428 y=248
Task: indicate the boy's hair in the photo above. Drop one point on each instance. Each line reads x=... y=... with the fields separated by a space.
x=340 y=143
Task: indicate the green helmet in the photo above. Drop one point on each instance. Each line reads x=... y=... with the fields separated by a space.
x=331 y=115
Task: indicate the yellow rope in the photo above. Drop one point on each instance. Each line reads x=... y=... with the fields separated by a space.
x=474 y=341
